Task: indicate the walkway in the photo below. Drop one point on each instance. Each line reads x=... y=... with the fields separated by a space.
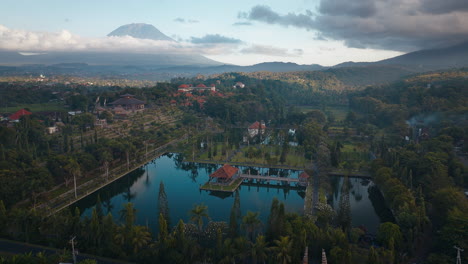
x=268 y=178
x=66 y=199
x=14 y=247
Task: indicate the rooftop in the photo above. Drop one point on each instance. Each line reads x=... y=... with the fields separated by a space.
x=127 y=101
x=225 y=172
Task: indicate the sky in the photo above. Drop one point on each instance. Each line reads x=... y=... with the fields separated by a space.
x=241 y=32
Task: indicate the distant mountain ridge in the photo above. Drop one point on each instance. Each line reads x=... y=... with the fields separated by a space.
x=170 y=64
x=433 y=59
x=141 y=31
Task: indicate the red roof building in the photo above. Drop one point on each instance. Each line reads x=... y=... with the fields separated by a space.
x=256 y=128
x=257 y=125
x=304 y=178
x=304 y=175
x=224 y=174
x=19 y=114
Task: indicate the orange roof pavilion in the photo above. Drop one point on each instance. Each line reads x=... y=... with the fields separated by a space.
x=225 y=172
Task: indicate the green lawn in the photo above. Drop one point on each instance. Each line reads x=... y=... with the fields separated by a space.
x=218 y=157
x=339 y=112
x=292 y=159
x=35 y=107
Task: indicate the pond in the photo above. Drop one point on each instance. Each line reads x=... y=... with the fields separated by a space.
x=182 y=181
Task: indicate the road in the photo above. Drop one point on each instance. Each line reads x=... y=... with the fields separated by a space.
x=13 y=247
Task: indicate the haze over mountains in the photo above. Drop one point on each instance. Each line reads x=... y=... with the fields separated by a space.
x=190 y=64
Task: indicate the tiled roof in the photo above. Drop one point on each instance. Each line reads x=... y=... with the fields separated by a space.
x=304 y=175
x=127 y=101
x=226 y=172
x=201 y=85
x=19 y=114
x=256 y=125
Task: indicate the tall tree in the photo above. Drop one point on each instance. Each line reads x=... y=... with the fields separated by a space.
x=163 y=204
x=235 y=216
x=283 y=249
x=251 y=223
x=73 y=168
x=197 y=214
x=259 y=250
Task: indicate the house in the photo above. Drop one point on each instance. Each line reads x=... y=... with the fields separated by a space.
x=16 y=116
x=201 y=87
x=51 y=130
x=255 y=128
x=225 y=175
x=129 y=103
x=74 y=113
x=238 y=85
x=100 y=123
x=304 y=179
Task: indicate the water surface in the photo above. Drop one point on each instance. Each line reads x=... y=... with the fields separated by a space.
x=182 y=181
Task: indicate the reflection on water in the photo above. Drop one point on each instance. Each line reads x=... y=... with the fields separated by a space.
x=183 y=179
x=362 y=208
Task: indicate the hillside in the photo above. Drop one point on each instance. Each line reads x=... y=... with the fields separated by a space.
x=443 y=58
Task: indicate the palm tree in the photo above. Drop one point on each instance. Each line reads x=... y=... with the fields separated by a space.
x=229 y=252
x=128 y=214
x=283 y=248
x=242 y=248
x=73 y=168
x=259 y=250
x=134 y=239
x=140 y=237
x=104 y=157
x=197 y=214
x=127 y=147
x=251 y=223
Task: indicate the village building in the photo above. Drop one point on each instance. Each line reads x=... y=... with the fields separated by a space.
x=256 y=128
x=225 y=175
x=128 y=103
x=201 y=87
x=304 y=179
x=100 y=123
x=51 y=130
x=238 y=85
x=16 y=116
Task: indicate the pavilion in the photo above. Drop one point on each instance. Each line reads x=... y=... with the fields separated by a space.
x=128 y=103
x=304 y=179
x=224 y=175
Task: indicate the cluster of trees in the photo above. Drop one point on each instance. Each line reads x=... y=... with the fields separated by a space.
x=282 y=239
x=422 y=178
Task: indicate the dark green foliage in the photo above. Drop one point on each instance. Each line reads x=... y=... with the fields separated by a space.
x=163 y=204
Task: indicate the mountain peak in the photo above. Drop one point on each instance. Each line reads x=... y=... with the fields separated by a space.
x=141 y=31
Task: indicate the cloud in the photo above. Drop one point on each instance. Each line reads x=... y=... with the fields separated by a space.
x=242 y=24
x=215 y=39
x=186 y=21
x=29 y=42
x=400 y=25
x=271 y=51
x=298 y=52
x=266 y=14
x=358 y=8
x=445 y=6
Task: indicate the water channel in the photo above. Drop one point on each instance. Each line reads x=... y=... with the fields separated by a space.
x=182 y=181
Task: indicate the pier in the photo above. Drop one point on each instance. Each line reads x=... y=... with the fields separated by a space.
x=268 y=178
